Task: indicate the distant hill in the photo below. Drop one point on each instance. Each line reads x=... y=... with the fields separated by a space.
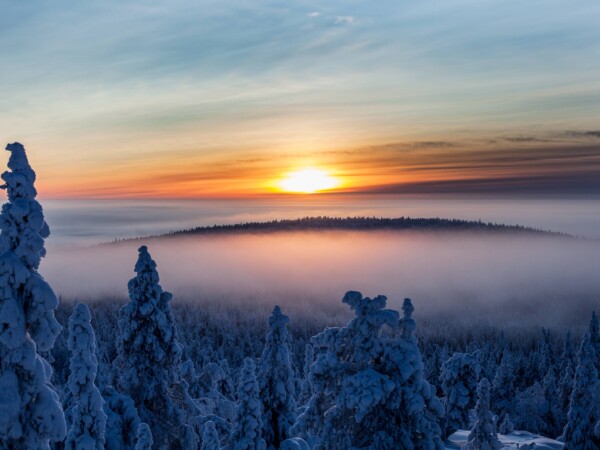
x=353 y=224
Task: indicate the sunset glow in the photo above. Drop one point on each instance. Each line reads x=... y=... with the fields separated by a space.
x=308 y=181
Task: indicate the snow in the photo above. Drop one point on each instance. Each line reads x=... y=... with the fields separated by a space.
x=510 y=441
x=88 y=425
x=276 y=381
x=149 y=353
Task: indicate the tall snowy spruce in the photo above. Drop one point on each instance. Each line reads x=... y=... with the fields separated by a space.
x=88 y=424
x=483 y=434
x=149 y=354
x=277 y=392
x=584 y=411
x=502 y=393
x=31 y=414
x=459 y=379
x=368 y=385
x=248 y=424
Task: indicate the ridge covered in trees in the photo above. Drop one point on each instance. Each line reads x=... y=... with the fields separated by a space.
x=325 y=223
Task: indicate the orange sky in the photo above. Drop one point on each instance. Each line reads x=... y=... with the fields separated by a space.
x=536 y=165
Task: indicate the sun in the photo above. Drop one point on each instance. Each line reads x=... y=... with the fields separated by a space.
x=308 y=181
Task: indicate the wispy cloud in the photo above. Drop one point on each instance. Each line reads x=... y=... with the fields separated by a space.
x=584 y=134
x=345 y=20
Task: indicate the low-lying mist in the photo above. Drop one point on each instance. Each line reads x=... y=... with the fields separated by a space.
x=501 y=279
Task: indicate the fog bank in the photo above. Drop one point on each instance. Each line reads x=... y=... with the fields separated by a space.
x=521 y=279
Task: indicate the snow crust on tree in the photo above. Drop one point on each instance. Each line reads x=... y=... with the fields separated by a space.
x=309 y=358
x=276 y=381
x=584 y=411
x=210 y=437
x=88 y=422
x=594 y=332
x=149 y=352
x=506 y=426
x=210 y=381
x=503 y=385
x=122 y=420
x=459 y=378
x=294 y=444
x=32 y=414
x=552 y=413
x=483 y=435
x=144 y=437
x=530 y=409
x=247 y=432
x=368 y=385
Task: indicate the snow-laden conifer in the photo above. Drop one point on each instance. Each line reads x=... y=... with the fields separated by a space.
x=368 y=385
x=248 y=424
x=530 y=409
x=483 y=434
x=552 y=416
x=565 y=387
x=506 y=426
x=122 y=420
x=210 y=437
x=584 y=411
x=276 y=381
x=149 y=353
x=309 y=357
x=88 y=423
x=144 y=437
x=503 y=385
x=459 y=378
x=30 y=412
x=594 y=332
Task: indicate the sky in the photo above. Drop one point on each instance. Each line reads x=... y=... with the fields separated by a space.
x=215 y=98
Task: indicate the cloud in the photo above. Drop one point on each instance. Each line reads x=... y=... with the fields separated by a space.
x=584 y=134
x=525 y=139
x=314 y=14
x=345 y=20
x=571 y=183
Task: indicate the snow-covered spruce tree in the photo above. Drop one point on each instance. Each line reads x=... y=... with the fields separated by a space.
x=210 y=437
x=149 y=354
x=31 y=413
x=248 y=424
x=546 y=362
x=459 y=379
x=368 y=385
x=568 y=357
x=122 y=420
x=552 y=416
x=594 y=332
x=88 y=423
x=565 y=387
x=144 y=437
x=309 y=357
x=213 y=400
x=584 y=411
x=277 y=381
x=503 y=385
x=530 y=409
x=506 y=426
x=483 y=434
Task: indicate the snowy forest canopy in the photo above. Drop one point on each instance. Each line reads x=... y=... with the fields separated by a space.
x=155 y=373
